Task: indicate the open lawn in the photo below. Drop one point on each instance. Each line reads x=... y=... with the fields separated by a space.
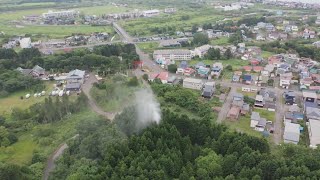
x=21 y=152
x=148 y=47
x=220 y=41
x=269 y=115
x=14 y=101
x=243 y=125
x=266 y=54
x=250 y=94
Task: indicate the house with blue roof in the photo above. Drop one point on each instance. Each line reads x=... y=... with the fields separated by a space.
x=247 y=79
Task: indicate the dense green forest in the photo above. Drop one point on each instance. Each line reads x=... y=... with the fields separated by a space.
x=180 y=148
x=101 y=58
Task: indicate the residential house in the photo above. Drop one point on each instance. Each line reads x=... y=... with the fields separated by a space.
x=35 y=72
x=201 y=51
x=312 y=113
x=283 y=68
x=257 y=122
x=289 y=98
x=309 y=96
x=270 y=27
x=293 y=117
x=233 y=113
x=192 y=83
x=188 y=72
x=257 y=69
x=203 y=72
x=275 y=60
x=259 y=101
x=163 y=76
x=216 y=69
x=25 y=43
x=236 y=78
x=291 y=133
x=306 y=82
x=247 y=68
x=208 y=90
x=314 y=133
x=247 y=79
x=75 y=79
x=238 y=100
x=269 y=68
x=285 y=80
x=308 y=34
x=173 y=54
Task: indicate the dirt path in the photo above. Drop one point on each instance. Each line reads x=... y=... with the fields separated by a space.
x=86 y=87
x=57 y=153
x=226 y=105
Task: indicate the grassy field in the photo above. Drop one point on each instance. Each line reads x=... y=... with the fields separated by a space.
x=144 y=26
x=21 y=152
x=14 y=101
x=54 y=31
x=221 y=41
x=235 y=63
x=250 y=94
x=243 y=125
x=266 y=54
x=108 y=9
x=148 y=47
x=269 y=115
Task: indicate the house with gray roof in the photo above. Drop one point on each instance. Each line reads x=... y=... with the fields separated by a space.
x=74 y=80
x=208 y=90
x=291 y=133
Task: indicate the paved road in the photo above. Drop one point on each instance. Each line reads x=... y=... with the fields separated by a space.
x=57 y=153
x=86 y=87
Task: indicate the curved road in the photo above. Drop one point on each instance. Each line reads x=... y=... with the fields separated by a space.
x=86 y=87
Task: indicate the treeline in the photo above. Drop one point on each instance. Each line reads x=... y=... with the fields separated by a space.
x=107 y=58
x=50 y=110
x=302 y=50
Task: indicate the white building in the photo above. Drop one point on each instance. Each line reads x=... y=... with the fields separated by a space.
x=173 y=54
x=291 y=133
x=314 y=133
x=201 y=51
x=25 y=43
x=193 y=83
x=58 y=14
x=151 y=13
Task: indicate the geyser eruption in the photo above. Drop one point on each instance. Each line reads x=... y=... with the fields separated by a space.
x=147 y=108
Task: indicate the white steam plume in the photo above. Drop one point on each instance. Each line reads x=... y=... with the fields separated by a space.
x=147 y=108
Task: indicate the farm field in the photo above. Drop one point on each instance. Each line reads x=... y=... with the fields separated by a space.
x=184 y=19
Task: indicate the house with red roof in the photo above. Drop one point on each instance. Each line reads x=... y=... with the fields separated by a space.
x=257 y=68
x=275 y=60
x=188 y=71
x=163 y=76
x=247 y=68
x=254 y=62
